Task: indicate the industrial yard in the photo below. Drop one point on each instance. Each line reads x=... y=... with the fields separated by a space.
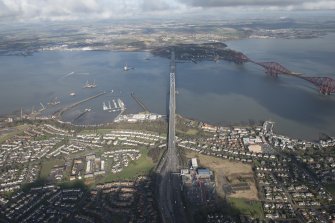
x=225 y=170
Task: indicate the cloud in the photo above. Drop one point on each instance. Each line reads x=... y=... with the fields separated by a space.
x=229 y=3
x=24 y=10
x=319 y=4
x=94 y=9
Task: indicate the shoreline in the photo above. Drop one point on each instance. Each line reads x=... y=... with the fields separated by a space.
x=161 y=118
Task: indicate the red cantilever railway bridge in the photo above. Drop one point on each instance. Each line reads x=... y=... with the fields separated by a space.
x=326 y=85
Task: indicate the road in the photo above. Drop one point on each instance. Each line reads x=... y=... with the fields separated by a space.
x=171 y=205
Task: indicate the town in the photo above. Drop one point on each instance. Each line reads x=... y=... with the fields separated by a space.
x=261 y=175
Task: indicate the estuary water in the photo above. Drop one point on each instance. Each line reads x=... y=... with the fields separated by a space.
x=215 y=92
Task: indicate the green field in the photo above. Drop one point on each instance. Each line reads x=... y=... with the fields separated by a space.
x=192 y=132
x=188 y=132
x=47 y=165
x=16 y=131
x=142 y=166
x=248 y=207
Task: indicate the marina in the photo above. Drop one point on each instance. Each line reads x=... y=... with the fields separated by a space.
x=118 y=106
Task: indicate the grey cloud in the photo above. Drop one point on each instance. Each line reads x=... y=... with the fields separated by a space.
x=229 y=3
x=6 y=12
x=155 y=5
x=11 y=10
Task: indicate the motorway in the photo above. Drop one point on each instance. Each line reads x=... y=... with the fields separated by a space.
x=170 y=203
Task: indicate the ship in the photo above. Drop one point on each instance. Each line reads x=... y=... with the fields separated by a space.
x=125 y=67
x=72 y=94
x=90 y=85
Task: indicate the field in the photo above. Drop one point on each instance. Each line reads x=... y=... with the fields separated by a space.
x=188 y=132
x=247 y=207
x=142 y=166
x=225 y=168
x=12 y=132
x=48 y=165
x=192 y=132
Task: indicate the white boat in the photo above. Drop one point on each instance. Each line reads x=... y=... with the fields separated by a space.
x=115 y=105
x=121 y=104
x=104 y=106
x=125 y=67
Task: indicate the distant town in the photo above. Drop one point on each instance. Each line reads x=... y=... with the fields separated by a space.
x=134 y=36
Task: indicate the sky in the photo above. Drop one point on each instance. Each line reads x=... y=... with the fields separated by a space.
x=62 y=10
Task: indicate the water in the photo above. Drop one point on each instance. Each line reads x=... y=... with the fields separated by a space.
x=219 y=93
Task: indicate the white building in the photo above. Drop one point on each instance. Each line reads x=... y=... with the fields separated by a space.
x=194 y=163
